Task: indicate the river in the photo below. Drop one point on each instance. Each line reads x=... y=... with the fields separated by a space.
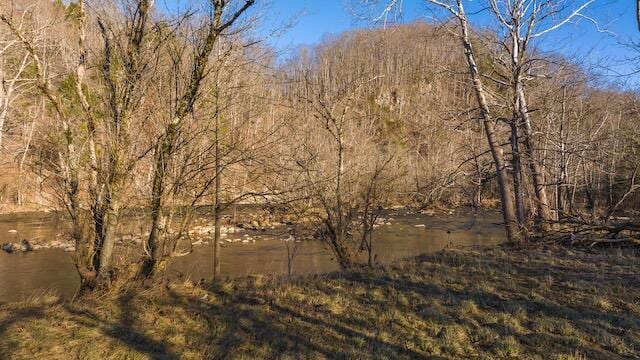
x=24 y=275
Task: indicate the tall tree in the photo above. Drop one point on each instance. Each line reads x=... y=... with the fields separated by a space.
x=506 y=197
x=222 y=17
x=523 y=21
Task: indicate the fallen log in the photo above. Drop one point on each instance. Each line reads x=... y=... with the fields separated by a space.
x=618 y=242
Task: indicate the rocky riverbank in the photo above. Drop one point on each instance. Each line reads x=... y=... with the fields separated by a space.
x=246 y=228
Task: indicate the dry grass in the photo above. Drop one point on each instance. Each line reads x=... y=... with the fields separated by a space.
x=525 y=303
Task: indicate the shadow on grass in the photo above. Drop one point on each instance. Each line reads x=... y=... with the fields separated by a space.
x=125 y=329
x=243 y=319
x=16 y=317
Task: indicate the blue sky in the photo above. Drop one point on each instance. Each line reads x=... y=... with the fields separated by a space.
x=581 y=41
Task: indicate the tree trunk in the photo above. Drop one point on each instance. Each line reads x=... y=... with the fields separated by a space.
x=153 y=247
x=108 y=236
x=218 y=208
x=562 y=182
x=370 y=244
x=508 y=209
x=517 y=173
x=543 y=217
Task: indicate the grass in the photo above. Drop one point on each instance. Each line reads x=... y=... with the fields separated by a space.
x=523 y=303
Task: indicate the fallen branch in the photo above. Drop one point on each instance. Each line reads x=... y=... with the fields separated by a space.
x=621 y=241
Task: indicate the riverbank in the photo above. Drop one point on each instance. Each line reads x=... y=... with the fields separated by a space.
x=539 y=303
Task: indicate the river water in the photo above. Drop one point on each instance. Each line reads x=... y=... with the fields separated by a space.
x=24 y=275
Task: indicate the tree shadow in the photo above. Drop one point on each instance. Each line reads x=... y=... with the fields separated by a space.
x=16 y=317
x=20 y=315
x=265 y=322
x=243 y=319
x=594 y=323
x=123 y=330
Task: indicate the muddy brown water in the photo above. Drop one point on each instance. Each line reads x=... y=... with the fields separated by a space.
x=24 y=275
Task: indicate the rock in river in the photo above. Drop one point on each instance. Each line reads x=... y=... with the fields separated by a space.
x=7 y=247
x=26 y=245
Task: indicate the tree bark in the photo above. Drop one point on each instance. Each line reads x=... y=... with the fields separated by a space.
x=506 y=200
x=517 y=173
x=543 y=215
x=218 y=207
x=561 y=191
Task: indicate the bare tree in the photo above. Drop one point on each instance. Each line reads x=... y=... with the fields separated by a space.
x=375 y=199
x=222 y=17
x=341 y=171
x=523 y=22
x=67 y=163
x=508 y=208
x=11 y=77
x=125 y=43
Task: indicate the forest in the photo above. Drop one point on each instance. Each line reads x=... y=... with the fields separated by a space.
x=121 y=109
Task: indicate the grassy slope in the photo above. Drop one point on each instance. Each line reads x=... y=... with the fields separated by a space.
x=536 y=303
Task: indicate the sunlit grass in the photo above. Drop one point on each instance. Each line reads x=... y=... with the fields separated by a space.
x=521 y=303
